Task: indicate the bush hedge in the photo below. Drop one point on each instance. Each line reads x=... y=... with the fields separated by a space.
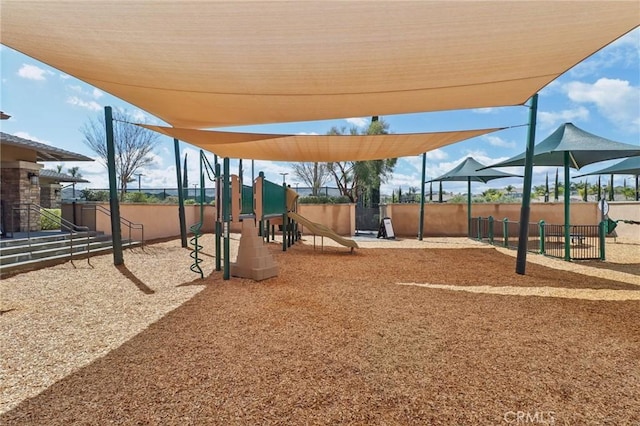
x=47 y=222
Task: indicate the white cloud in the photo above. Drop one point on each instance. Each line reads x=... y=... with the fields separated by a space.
x=75 y=87
x=90 y=105
x=97 y=94
x=623 y=52
x=140 y=116
x=437 y=154
x=32 y=72
x=616 y=100
x=484 y=110
x=549 y=120
x=305 y=133
x=26 y=135
x=499 y=142
x=357 y=121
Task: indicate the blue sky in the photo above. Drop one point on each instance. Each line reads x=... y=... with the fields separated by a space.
x=600 y=95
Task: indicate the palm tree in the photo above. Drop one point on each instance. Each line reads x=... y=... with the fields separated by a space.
x=74 y=172
x=509 y=189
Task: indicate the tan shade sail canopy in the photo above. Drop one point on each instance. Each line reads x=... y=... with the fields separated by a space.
x=200 y=64
x=319 y=148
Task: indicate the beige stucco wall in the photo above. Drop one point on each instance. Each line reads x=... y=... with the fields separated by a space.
x=449 y=219
x=338 y=217
x=161 y=220
x=627 y=210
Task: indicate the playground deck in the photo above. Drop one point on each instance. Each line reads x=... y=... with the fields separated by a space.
x=333 y=339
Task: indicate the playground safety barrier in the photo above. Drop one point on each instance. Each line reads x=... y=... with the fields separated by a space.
x=587 y=242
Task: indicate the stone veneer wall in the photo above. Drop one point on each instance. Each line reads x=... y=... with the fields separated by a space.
x=15 y=188
x=49 y=198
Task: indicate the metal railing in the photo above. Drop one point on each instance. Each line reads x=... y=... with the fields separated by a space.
x=126 y=222
x=586 y=242
x=71 y=227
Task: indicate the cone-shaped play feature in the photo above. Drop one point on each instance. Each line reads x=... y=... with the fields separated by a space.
x=254 y=260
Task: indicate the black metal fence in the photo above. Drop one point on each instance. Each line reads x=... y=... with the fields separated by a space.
x=190 y=193
x=586 y=242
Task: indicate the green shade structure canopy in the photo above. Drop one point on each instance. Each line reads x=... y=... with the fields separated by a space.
x=630 y=166
x=471 y=170
x=571 y=147
x=584 y=148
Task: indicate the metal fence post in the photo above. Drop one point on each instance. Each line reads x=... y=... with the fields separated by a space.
x=505 y=231
x=490 y=230
x=603 y=232
x=541 y=228
x=479 y=228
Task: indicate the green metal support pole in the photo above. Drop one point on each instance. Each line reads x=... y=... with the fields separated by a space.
x=181 y=217
x=468 y=206
x=226 y=207
x=284 y=219
x=602 y=232
x=525 y=210
x=505 y=231
x=567 y=208
x=114 y=203
x=424 y=177
x=218 y=215
x=202 y=189
x=491 y=230
x=542 y=236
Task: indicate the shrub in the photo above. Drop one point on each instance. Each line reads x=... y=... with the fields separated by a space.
x=137 y=197
x=47 y=222
x=91 y=195
x=322 y=199
x=171 y=199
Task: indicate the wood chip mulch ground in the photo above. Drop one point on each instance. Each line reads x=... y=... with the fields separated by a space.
x=334 y=339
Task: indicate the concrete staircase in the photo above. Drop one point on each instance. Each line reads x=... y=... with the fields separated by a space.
x=21 y=254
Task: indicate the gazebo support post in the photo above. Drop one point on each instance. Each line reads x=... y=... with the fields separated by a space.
x=525 y=210
x=468 y=206
x=567 y=208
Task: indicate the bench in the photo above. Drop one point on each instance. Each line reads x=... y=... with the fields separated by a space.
x=575 y=238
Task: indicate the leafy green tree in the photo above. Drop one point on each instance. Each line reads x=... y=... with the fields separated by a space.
x=546 y=188
x=492 y=195
x=539 y=190
x=358 y=179
x=629 y=193
x=583 y=190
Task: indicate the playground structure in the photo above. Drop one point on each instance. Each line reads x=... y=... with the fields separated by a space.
x=322 y=231
x=265 y=203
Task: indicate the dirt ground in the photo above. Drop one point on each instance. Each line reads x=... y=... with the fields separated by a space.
x=383 y=336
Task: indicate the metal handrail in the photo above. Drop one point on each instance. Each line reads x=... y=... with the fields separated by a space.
x=124 y=221
x=70 y=226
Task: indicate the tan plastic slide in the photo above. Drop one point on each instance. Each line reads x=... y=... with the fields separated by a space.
x=323 y=231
